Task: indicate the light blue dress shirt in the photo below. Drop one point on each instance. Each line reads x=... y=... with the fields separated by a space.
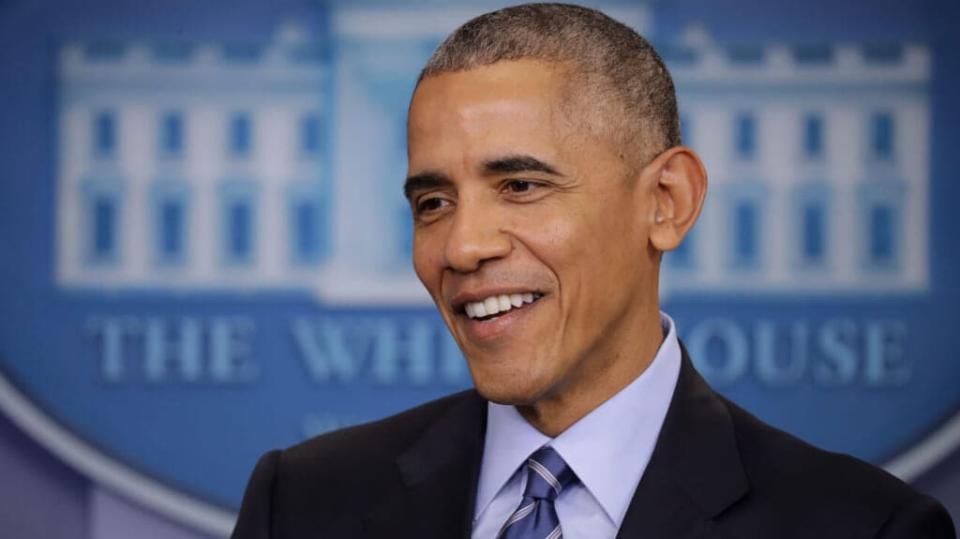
x=608 y=449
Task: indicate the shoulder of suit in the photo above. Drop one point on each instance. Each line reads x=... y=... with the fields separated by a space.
x=811 y=483
x=328 y=482
x=381 y=440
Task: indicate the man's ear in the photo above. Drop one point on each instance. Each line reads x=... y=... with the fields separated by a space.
x=678 y=182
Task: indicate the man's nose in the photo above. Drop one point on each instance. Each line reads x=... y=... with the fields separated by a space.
x=476 y=236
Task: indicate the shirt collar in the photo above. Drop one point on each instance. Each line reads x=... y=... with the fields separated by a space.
x=608 y=454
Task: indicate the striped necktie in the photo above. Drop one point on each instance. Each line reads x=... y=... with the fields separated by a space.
x=536 y=517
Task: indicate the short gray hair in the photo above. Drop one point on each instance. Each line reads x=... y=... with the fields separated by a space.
x=618 y=65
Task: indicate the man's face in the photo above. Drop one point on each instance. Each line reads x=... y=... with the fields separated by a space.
x=530 y=234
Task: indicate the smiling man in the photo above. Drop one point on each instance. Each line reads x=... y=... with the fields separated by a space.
x=546 y=179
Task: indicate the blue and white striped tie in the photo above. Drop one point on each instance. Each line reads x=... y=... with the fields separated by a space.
x=536 y=518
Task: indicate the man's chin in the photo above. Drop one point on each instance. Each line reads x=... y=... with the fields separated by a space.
x=511 y=394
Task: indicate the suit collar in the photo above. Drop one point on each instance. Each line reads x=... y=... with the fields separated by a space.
x=695 y=469
x=439 y=476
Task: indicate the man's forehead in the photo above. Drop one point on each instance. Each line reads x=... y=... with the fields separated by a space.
x=523 y=85
x=460 y=120
x=564 y=94
x=484 y=113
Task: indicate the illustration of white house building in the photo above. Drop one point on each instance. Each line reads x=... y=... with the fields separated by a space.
x=818 y=157
x=193 y=165
x=278 y=165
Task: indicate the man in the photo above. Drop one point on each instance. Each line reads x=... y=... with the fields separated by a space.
x=546 y=179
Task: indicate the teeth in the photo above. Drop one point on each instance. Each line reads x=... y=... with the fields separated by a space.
x=498 y=304
x=492 y=305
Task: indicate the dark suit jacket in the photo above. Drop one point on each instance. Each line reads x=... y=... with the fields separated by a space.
x=716 y=471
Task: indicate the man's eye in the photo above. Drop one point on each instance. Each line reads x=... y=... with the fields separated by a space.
x=520 y=186
x=429 y=204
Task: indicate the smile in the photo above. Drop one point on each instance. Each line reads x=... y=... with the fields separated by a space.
x=495 y=305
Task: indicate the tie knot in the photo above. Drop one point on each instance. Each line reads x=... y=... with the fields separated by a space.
x=547 y=474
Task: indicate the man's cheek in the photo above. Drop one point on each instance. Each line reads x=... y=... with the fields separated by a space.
x=425 y=263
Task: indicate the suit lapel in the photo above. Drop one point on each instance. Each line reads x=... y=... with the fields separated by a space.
x=695 y=471
x=439 y=476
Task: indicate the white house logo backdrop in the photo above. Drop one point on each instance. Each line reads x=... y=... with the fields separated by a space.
x=209 y=254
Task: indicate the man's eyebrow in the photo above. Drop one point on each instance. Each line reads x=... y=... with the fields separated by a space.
x=424 y=181
x=501 y=165
x=518 y=163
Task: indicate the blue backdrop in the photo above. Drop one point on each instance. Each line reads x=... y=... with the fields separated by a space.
x=206 y=250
